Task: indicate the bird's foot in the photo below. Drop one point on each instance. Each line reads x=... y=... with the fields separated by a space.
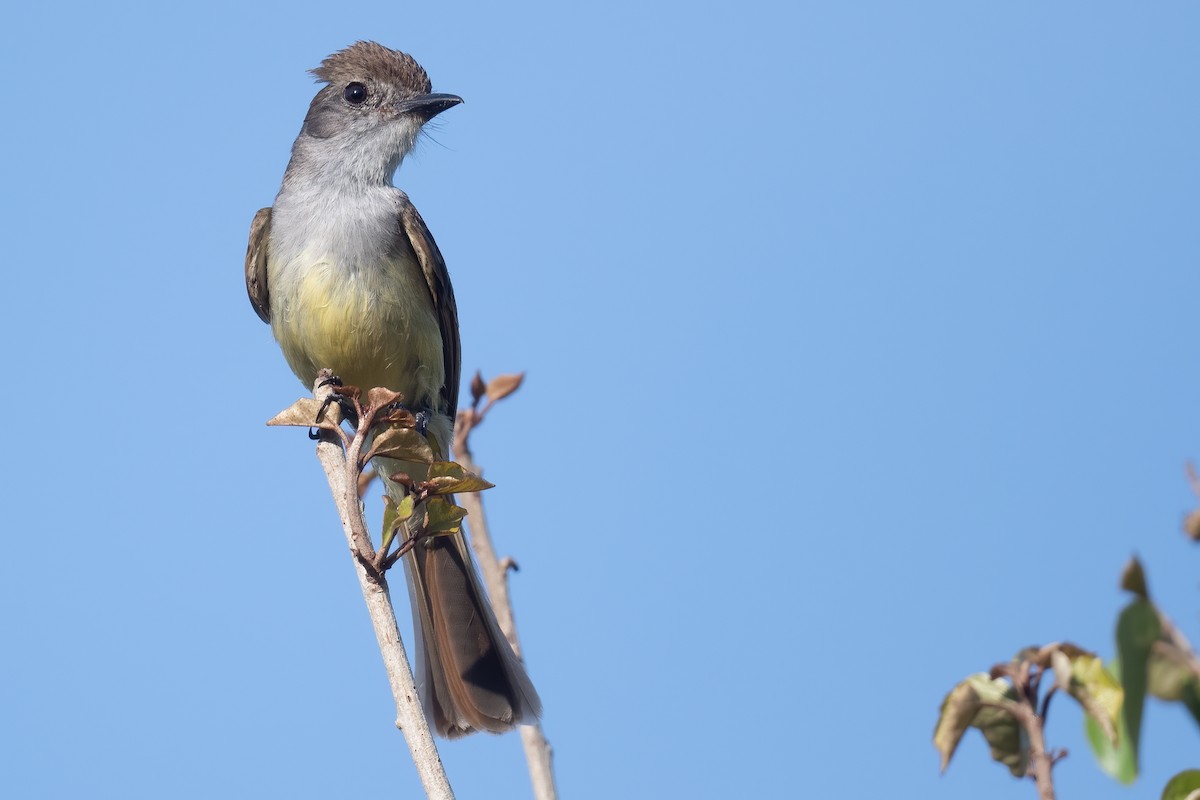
x=344 y=399
x=399 y=413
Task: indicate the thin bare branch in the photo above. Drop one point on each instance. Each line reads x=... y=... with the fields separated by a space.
x=539 y=755
x=1041 y=761
x=342 y=471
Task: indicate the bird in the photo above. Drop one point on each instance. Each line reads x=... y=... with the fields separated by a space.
x=348 y=276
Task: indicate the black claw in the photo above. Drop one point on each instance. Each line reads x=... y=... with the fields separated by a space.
x=344 y=403
x=332 y=398
x=422 y=418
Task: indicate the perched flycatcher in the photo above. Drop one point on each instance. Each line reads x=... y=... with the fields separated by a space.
x=350 y=279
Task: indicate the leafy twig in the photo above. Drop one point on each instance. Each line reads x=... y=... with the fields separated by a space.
x=1004 y=704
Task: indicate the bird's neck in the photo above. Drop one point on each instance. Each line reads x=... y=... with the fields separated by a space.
x=341 y=209
x=339 y=167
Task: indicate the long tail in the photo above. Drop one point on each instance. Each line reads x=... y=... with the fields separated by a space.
x=468 y=674
x=469 y=677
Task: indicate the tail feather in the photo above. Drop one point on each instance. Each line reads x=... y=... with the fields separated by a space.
x=471 y=680
x=468 y=675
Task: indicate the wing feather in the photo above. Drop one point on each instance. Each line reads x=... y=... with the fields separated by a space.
x=442 y=294
x=256 y=264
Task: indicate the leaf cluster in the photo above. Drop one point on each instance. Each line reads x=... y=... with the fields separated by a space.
x=384 y=428
x=1007 y=702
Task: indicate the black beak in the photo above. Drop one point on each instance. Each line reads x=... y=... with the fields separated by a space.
x=428 y=106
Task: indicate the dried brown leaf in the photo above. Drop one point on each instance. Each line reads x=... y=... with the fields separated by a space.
x=478 y=387
x=448 y=477
x=1044 y=656
x=399 y=416
x=502 y=386
x=403 y=444
x=379 y=397
x=958 y=710
x=1169 y=672
x=1191 y=526
x=303 y=414
x=1133 y=579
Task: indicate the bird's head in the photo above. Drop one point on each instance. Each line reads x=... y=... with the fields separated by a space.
x=372 y=107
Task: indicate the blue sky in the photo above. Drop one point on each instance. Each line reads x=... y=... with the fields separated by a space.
x=861 y=353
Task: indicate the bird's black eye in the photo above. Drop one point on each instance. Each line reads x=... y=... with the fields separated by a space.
x=355 y=93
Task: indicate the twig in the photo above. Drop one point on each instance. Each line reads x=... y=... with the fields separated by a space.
x=1191 y=523
x=1026 y=677
x=364 y=481
x=539 y=755
x=1045 y=712
x=1040 y=760
x=1193 y=479
x=342 y=471
x=495 y=576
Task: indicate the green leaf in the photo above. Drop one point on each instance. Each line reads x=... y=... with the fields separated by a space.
x=389 y=522
x=448 y=477
x=963 y=708
x=442 y=516
x=1191 y=700
x=394 y=516
x=1081 y=675
x=1098 y=691
x=1006 y=739
x=1184 y=786
x=405 y=509
x=1117 y=759
x=1137 y=630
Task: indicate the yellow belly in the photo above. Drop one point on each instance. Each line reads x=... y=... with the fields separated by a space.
x=372 y=329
